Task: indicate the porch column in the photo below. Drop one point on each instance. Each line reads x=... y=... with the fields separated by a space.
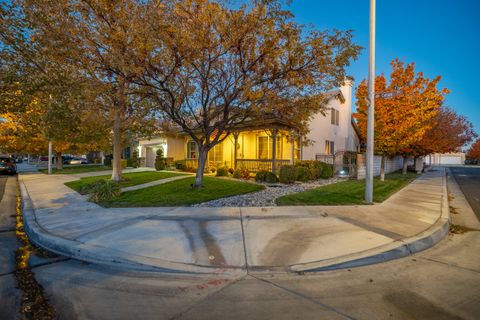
x=300 y=145
x=292 y=155
x=235 y=144
x=274 y=150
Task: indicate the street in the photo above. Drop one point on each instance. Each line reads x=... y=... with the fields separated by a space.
x=439 y=283
x=468 y=178
x=9 y=295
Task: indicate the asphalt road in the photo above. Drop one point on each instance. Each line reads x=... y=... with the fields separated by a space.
x=10 y=296
x=468 y=178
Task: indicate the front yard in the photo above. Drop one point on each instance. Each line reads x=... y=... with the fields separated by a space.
x=180 y=193
x=130 y=179
x=348 y=192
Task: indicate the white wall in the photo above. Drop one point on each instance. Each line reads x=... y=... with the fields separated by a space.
x=391 y=165
x=445 y=158
x=321 y=128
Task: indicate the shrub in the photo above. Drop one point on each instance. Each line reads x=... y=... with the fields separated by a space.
x=327 y=170
x=212 y=170
x=108 y=160
x=104 y=190
x=304 y=174
x=271 y=177
x=129 y=162
x=314 y=166
x=123 y=163
x=288 y=174
x=230 y=170
x=134 y=160
x=222 y=172
x=261 y=176
x=179 y=165
x=160 y=161
x=241 y=173
x=266 y=176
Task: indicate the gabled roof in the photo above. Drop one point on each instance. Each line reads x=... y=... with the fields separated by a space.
x=337 y=93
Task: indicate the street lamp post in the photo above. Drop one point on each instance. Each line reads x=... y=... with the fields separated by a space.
x=371 y=108
x=50 y=154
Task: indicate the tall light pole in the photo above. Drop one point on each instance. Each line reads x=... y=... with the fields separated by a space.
x=371 y=107
x=50 y=155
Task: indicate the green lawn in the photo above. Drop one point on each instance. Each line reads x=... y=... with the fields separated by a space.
x=78 y=169
x=348 y=192
x=180 y=193
x=130 y=179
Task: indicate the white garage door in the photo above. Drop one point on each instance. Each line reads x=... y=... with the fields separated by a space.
x=450 y=160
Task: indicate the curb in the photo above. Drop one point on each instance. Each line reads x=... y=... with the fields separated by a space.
x=391 y=251
x=96 y=254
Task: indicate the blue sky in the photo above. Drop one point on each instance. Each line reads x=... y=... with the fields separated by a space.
x=442 y=37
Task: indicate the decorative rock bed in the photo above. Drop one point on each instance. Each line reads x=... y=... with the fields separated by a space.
x=266 y=198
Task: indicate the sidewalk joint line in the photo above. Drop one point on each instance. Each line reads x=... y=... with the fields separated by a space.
x=181 y=313
x=450 y=264
x=325 y=306
x=244 y=241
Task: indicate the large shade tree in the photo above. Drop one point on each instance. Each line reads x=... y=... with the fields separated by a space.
x=215 y=67
x=94 y=39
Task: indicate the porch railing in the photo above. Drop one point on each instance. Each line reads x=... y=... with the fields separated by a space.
x=252 y=165
x=261 y=164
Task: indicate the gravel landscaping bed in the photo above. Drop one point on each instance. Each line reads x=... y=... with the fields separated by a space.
x=266 y=198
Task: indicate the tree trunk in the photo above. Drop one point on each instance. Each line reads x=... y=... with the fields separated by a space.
x=274 y=151
x=382 y=168
x=59 y=161
x=117 y=147
x=202 y=159
x=405 y=164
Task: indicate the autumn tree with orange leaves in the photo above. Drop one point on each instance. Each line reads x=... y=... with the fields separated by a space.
x=474 y=151
x=404 y=109
x=449 y=132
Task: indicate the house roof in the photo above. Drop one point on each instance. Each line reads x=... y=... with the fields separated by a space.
x=337 y=93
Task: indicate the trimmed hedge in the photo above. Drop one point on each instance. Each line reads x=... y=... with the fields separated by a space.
x=266 y=176
x=288 y=174
x=315 y=168
x=304 y=174
x=271 y=177
x=222 y=172
x=327 y=170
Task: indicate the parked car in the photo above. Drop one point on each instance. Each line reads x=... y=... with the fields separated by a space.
x=7 y=165
x=76 y=161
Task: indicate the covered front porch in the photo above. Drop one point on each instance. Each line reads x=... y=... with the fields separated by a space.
x=253 y=148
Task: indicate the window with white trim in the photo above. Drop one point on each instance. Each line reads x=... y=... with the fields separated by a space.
x=329 y=147
x=265 y=146
x=334 y=117
x=192 y=150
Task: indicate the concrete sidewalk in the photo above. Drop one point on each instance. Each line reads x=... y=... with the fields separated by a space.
x=212 y=240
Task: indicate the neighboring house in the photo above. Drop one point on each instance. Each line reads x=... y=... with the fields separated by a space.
x=445 y=158
x=256 y=141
